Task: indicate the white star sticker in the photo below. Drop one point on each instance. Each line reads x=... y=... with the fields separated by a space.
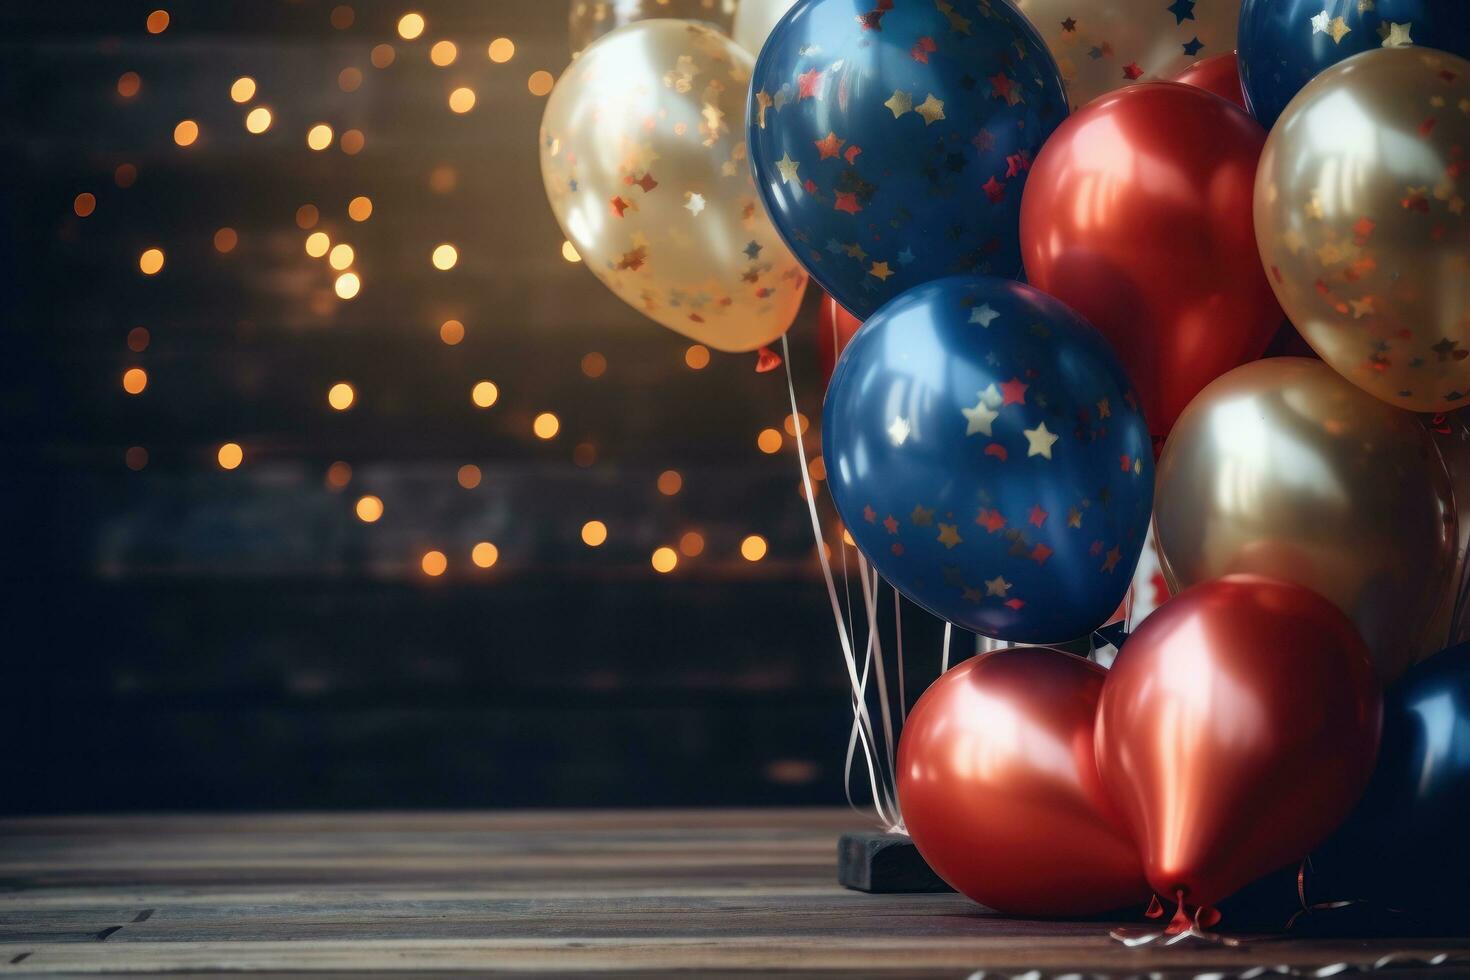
x=992 y=396
x=695 y=204
x=1319 y=23
x=899 y=431
x=983 y=315
x=979 y=417
x=1040 y=441
x=1398 y=35
x=787 y=166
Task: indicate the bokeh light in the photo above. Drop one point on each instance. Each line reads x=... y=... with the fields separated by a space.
x=570 y=253
x=347 y=285
x=451 y=332
x=664 y=560
x=125 y=175
x=369 y=509
x=339 y=474
x=342 y=16
x=790 y=424
x=443 y=53
x=462 y=99
x=484 y=393
x=134 y=380
x=769 y=441
x=540 y=83
x=138 y=338
x=230 y=455
x=352 y=142
x=341 y=256
x=410 y=26
x=753 y=548
x=594 y=364
x=594 y=533
x=468 y=476
x=434 y=563
x=341 y=396
x=670 y=482
x=484 y=554
x=445 y=256
x=501 y=50
x=360 y=208
x=546 y=426
x=136 y=458
x=307 y=216
x=84 y=204
x=128 y=84
x=382 y=55
x=349 y=79
x=151 y=261
x=691 y=544
x=157 y=22
x=319 y=137
x=318 y=244
x=697 y=357
x=186 y=132
x=258 y=120
x=242 y=90
x=225 y=240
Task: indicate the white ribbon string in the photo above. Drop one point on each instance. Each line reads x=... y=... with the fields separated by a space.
x=944 y=659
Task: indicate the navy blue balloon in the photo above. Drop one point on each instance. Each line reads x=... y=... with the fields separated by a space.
x=891 y=140
x=1405 y=845
x=986 y=452
x=1284 y=44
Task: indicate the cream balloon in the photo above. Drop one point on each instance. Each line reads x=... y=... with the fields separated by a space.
x=588 y=20
x=644 y=160
x=754 y=20
x=1281 y=468
x=1100 y=45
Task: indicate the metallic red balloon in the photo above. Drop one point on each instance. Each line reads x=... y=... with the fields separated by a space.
x=835 y=327
x=1220 y=75
x=999 y=789
x=1236 y=730
x=1138 y=215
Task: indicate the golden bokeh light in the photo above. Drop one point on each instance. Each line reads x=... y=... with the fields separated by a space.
x=319 y=137
x=434 y=563
x=125 y=175
x=157 y=22
x=584 y=454
x=134 y=380
x=769 y=441
x=484 y=554
x=138 y=338
x=664 y=560
x=341 y=256
x=753 y=548
x=501 y=50
x=410 y=26
x=84 y=204
x=349 y=79
x=347 y=285
x=352 y=142
x=258 y=120
x=369 y=509
x=230 y=455
x=790 y=424
x=443 y=53
x=594 y=364
x=341 y=396
x=594 y=533
x=128 y=84
x=817 y=468
x=692 y=544
x=540 y=83
x=186 y=132
x=847 y=538
x=151 y=261
x=136 y=458
x=570 y=253
x=339 y=474
x=451 y=332
x=242 y=89
x=468 y=476
x=697 y=357
x=484 y=393
x=546 y=426
x=670 y=482
x=445 y=256
x=382 y=56
x=225 y=240
x=462 y=99
x=343 y=16
x=318 y=244
x=360 y=208
x=307 y=216
x=443 y=179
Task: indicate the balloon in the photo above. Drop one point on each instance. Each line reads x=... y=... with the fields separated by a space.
x=1404 y=845
x=1359 y=203
x=589 y=20
x=835 y=327
x=643 y=157
x=1102 y=45
x=1236 y=730
x=1451 y=435
x=754 y=20
x=891 y=145
x=1284 y=44
x=1138 y=216
x=999 y=788
x=985 y=451
x=1281 y=468
x=1218 y=76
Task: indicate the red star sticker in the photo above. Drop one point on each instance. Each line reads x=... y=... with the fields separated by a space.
x=870 y=515
x=1017 y=162
x=618 y=206
x=1363 y=229
x=921 y=50
x=1427 y=126
x=809 y=85
x=1001 y=84
x=1037 y=515
x=997 y=450
x=829 y=146
x=1096 y=548
x=1132 y=72
x=890 y=525
x=1069 y=25
x=983 y=140
x=1015 y=603
x=847 y=201
x=1040 y=553
x=873 y=19
x=1124 y=463
x=991 y=520
x=1013 y=392
x=994 y=189
x=810 y=186
x=646 y=182
x=852 y=152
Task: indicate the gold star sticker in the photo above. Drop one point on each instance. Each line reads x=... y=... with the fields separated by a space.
x=1113 y=558
x=899 y=102
x=1293 y=240
x=997 y=586
x=1338 y=30
x=1074 y=517
x=1329 y=253
x=958 y=23
x=881 y=271
x=1138 y=467
x=763 y=102
x=899 y=430
x=970 y=594
x=949 y=534
x=1361 y=307
x=931 y=109
x=1104 y=409
x=922 y=516
x=1364 y=6
x=1398 y=35
x=1040 y=441
x=787 y=166
x=855 y=251
x=978 y=419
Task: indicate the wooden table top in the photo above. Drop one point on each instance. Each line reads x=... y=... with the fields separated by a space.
x=532 y=892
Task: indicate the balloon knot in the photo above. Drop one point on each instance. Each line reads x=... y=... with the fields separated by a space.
x=766 y=360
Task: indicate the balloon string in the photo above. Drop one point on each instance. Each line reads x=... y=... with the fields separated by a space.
x=944 y=658
x=858 y=688
x=870 y=599
x=903 y=698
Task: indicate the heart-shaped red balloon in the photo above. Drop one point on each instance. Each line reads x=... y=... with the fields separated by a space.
x=999 y=788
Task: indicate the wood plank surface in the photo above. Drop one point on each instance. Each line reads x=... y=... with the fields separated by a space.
x=564 y=893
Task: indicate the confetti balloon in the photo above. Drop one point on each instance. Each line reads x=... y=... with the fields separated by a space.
x=1138 y=216
x=1219 y=75
x=1101 y=45
x=754 y=20
x=891 y=141
x=643 y=156
x=589 y=20
x=1359 y=207
x=987 y=454
x=1282 y=468
x=1284 y=44
x=999 y=787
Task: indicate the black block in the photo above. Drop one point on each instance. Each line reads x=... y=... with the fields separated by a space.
x=884 y=864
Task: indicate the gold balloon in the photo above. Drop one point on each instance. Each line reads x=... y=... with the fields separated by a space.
x=754 y=20
x=1359 y=210
x=589 y=20
x=644 y=160
x=1101 y=45
x=1283 y=469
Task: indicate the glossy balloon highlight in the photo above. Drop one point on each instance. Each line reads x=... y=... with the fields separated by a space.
x=1218 y=76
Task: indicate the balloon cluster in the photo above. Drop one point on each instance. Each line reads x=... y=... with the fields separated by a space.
x=1056 y=240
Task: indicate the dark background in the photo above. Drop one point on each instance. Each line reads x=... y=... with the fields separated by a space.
x=182 y=636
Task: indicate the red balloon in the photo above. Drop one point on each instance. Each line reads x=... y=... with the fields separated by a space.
x=1219 y=75
x=835 y=327
x=999 y=789
x=1137 y=214
x=1237 y=728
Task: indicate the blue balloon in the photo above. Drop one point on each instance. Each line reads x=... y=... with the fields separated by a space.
x=987 y=454
x=891 y=142
x=1284 y=44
